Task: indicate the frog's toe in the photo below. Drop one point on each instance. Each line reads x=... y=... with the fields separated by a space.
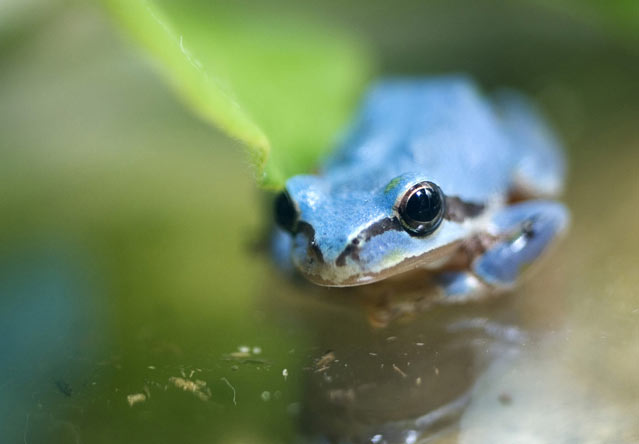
x=526 y=230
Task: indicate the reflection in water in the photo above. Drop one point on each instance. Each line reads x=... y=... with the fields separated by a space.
x=44 y=361
x=403 y=382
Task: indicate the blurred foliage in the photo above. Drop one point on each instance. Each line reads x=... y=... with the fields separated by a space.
x=621 y=17
x=282 y=86
x=161 y=236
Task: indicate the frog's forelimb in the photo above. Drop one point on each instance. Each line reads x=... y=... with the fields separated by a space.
x=520 y=234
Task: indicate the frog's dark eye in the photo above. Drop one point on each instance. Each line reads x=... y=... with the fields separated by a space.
x=285 y=212
x=421 y=209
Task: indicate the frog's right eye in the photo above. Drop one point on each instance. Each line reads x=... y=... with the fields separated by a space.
x=286 y=214
x=421 y=209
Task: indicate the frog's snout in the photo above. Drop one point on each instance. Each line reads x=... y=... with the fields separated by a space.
x=316 y=264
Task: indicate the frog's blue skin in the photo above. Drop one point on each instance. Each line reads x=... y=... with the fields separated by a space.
x=480 y=150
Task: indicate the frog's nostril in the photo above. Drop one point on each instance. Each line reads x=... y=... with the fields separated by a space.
x=314 y=251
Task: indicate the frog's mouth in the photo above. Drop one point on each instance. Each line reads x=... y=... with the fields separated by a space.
x=332 y=275
x=346 y=270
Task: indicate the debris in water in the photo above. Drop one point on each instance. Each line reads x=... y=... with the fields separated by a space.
x=324 y=361
x=246 y=354
x=231 y=387
x=399 y=370
x=266 y=396
x=242 y=352
x=135 y=398
x=418 y=381
x=245 y=359
x=64 y=388
x=26 y=428
x=505 y=399
x=239 y=355
x=151 y=367
x=285 y=374
x=436 y=371
x=197 y=387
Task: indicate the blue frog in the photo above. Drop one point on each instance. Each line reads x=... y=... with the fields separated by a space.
x=435 y=176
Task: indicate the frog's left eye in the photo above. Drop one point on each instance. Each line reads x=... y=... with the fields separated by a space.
x=286 y=214
x=421 y=209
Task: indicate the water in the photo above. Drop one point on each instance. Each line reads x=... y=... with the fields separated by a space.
x=139 y=306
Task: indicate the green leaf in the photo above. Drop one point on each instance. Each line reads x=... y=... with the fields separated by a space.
x=619 y=17
x=281 y=85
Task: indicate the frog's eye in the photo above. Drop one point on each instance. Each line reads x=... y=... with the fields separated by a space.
x=421 y=208
x=286 y=213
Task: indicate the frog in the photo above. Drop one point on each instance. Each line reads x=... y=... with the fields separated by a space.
x=434 y=177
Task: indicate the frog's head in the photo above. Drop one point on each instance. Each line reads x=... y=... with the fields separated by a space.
x=343 y=235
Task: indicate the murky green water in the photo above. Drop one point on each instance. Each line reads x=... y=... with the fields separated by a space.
x=137 y=306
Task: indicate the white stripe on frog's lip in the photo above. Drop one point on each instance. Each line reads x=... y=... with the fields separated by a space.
x=350 y=276
x=455 y=210
x=346 y=270
x=375 y=229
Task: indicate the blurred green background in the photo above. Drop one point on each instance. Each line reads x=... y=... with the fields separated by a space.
x=130 y=230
